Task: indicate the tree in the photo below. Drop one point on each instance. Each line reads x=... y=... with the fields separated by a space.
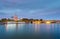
x=4 y=19
x=41 y=19
x=25 y=19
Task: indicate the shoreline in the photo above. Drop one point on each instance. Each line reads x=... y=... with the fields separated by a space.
x=32 y=22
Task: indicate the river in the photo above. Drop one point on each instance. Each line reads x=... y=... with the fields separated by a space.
x=23 y=30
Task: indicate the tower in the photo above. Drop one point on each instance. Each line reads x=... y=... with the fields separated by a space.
x=15 y=17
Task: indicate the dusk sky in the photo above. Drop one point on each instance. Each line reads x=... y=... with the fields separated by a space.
x=37 y=9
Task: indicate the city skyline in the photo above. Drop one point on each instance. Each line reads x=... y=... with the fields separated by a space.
x=37 y=9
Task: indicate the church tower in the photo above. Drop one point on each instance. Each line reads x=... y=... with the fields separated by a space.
x=15 y=17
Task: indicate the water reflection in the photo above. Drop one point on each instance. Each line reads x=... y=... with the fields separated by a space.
x=10 y=27
x=20 y=27
x=48 y=27
x=36 y=28
x=32 y=28
x=27 y=29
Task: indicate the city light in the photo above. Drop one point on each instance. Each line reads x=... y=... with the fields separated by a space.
x=37 y=22
x=48 y=22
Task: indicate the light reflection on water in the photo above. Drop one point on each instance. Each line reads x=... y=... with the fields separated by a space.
x=10 y=27
x=24 y=28
x=32 y=27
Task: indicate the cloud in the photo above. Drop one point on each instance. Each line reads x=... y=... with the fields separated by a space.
x=30 y=4
x=30 y=8
x=40 y=12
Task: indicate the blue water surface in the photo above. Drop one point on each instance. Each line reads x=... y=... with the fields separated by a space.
x=48 y=31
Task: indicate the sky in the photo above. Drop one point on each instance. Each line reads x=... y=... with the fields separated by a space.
x=37 y=9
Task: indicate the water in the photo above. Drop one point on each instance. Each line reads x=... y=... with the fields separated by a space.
x=44 y=31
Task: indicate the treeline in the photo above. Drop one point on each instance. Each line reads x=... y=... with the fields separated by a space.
x=30 y=20
x=4 y=20
x=21 y=20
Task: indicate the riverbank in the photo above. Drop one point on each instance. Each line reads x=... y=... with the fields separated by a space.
x=32 y=22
